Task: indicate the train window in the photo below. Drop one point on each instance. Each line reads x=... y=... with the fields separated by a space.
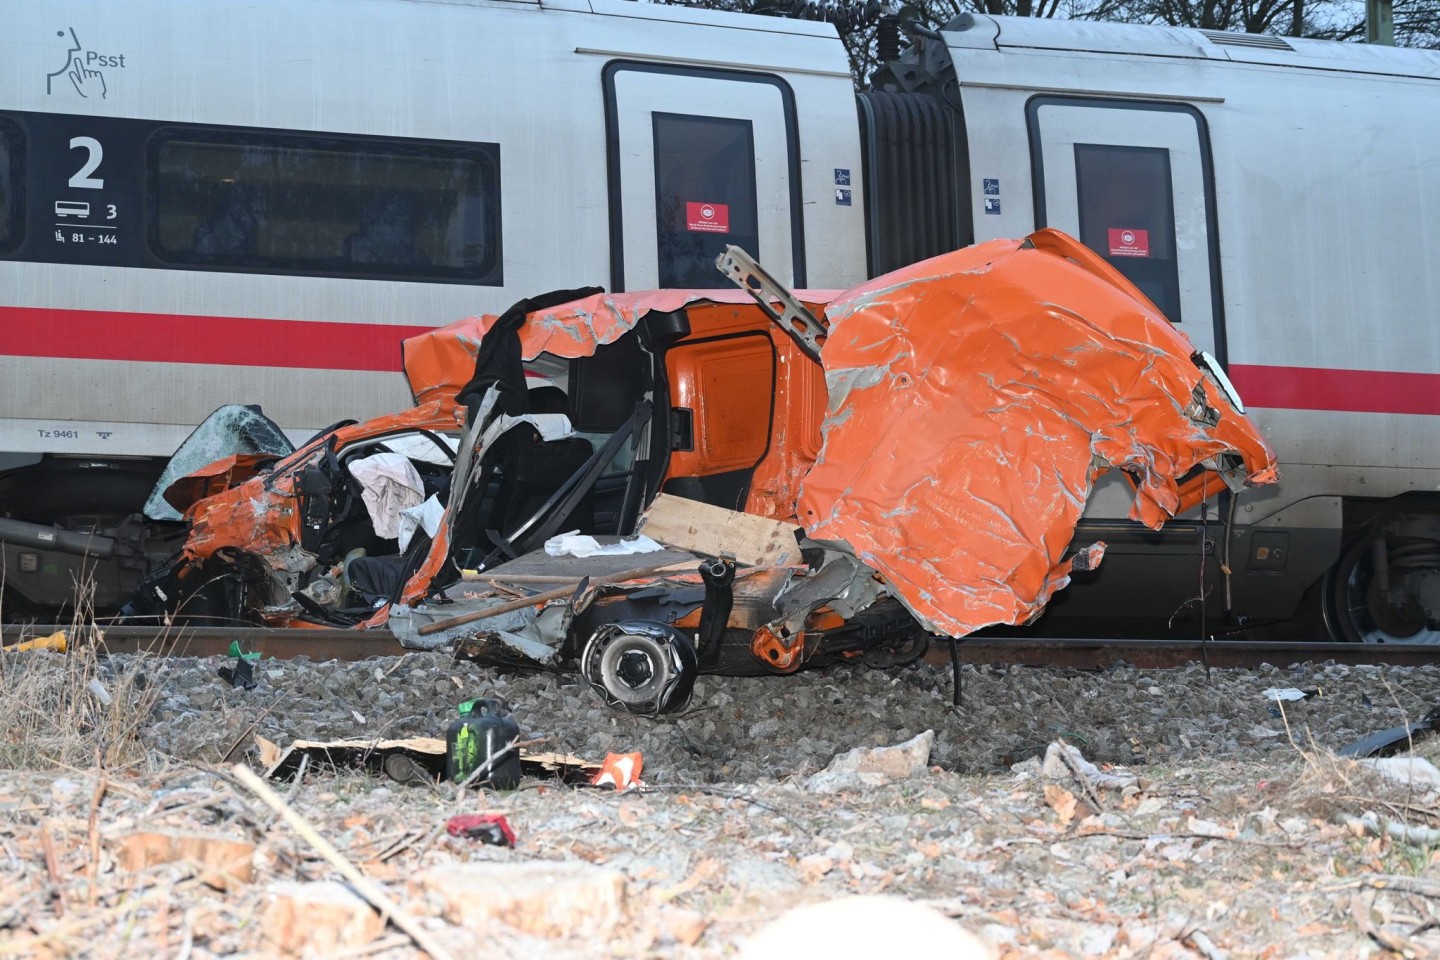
x=1127 y=215
x=704 y=196
x=283 y=203
x=10 y=201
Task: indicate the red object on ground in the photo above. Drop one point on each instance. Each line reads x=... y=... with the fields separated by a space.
x=490 y=828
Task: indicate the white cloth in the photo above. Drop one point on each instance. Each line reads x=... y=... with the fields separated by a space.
x=390 y=484
x=418 y=447
x=427 y=515
x=550 y=426
x=575 y=544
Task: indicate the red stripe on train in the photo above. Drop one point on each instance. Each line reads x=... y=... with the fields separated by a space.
x=1356 y=391
x=251 y=342
x=230 y=341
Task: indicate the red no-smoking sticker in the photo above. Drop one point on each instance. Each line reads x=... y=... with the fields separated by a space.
x=1125 y=242
x=707 y=217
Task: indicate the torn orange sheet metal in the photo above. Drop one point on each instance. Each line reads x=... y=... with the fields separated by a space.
x=440 y=362
x=264 y=515
x=974 y=400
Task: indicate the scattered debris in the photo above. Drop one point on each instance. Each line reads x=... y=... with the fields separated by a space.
x=1290 y=694
x=1394 y=739
x=491 y=828
x=1371 y=823
x=1062 y=762
x=1414 y=772
x=54 y=642
x=1233 y=836
x=241 y=674
x=406 y=757
x=620 y=770
x=863 y=768
x=709 y=530
x=576 y=544
x=96 y=686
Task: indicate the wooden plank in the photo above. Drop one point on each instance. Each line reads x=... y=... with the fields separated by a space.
x=717 y=532
x=560 y=593
x=427 y=752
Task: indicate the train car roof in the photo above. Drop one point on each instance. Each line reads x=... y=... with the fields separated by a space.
x=646 y=10
x=1016 y=33
x=641 y=10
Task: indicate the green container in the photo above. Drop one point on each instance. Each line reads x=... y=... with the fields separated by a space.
x=479 y=738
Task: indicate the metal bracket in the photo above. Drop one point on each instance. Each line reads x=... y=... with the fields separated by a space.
x=793 y=317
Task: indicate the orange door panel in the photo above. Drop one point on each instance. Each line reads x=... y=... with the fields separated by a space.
x=728 y=385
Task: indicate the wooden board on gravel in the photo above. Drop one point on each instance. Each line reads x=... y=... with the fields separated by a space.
x=426 y=754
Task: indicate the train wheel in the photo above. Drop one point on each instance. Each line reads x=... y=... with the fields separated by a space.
x=1357 y=612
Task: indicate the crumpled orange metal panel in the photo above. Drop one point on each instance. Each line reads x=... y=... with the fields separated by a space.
x=438 y=363
x=215 y=477
x=255 y=517
x=974 y=400
x=262 y=515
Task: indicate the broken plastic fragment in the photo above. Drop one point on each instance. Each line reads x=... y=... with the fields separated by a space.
x=491 y=828
x=1289 y=694
x=620 y=770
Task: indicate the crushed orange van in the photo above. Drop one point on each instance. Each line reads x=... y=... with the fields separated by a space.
x=925 y=443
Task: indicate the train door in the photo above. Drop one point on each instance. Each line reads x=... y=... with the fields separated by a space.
x=699 y=159
x=1133 y=181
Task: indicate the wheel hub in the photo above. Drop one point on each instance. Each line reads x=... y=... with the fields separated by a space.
x=635 y=668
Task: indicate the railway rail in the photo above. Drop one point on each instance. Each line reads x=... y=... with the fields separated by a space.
x=197 y=641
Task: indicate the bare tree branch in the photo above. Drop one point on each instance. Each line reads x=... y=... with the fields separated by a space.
x=1417 y=22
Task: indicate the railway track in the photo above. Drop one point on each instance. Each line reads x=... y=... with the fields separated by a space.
x=1066 y=653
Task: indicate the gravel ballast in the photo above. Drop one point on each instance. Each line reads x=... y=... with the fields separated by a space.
x=741 y=730
x=1234 y=832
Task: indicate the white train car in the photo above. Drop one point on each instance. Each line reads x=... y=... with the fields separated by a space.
x=1279 y=200
x=204 y=204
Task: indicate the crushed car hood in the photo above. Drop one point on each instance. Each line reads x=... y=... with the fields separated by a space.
x=974 y=400
x=242 y=435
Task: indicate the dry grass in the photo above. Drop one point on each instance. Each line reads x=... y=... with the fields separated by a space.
x=1337 y=788
x=73 y=709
